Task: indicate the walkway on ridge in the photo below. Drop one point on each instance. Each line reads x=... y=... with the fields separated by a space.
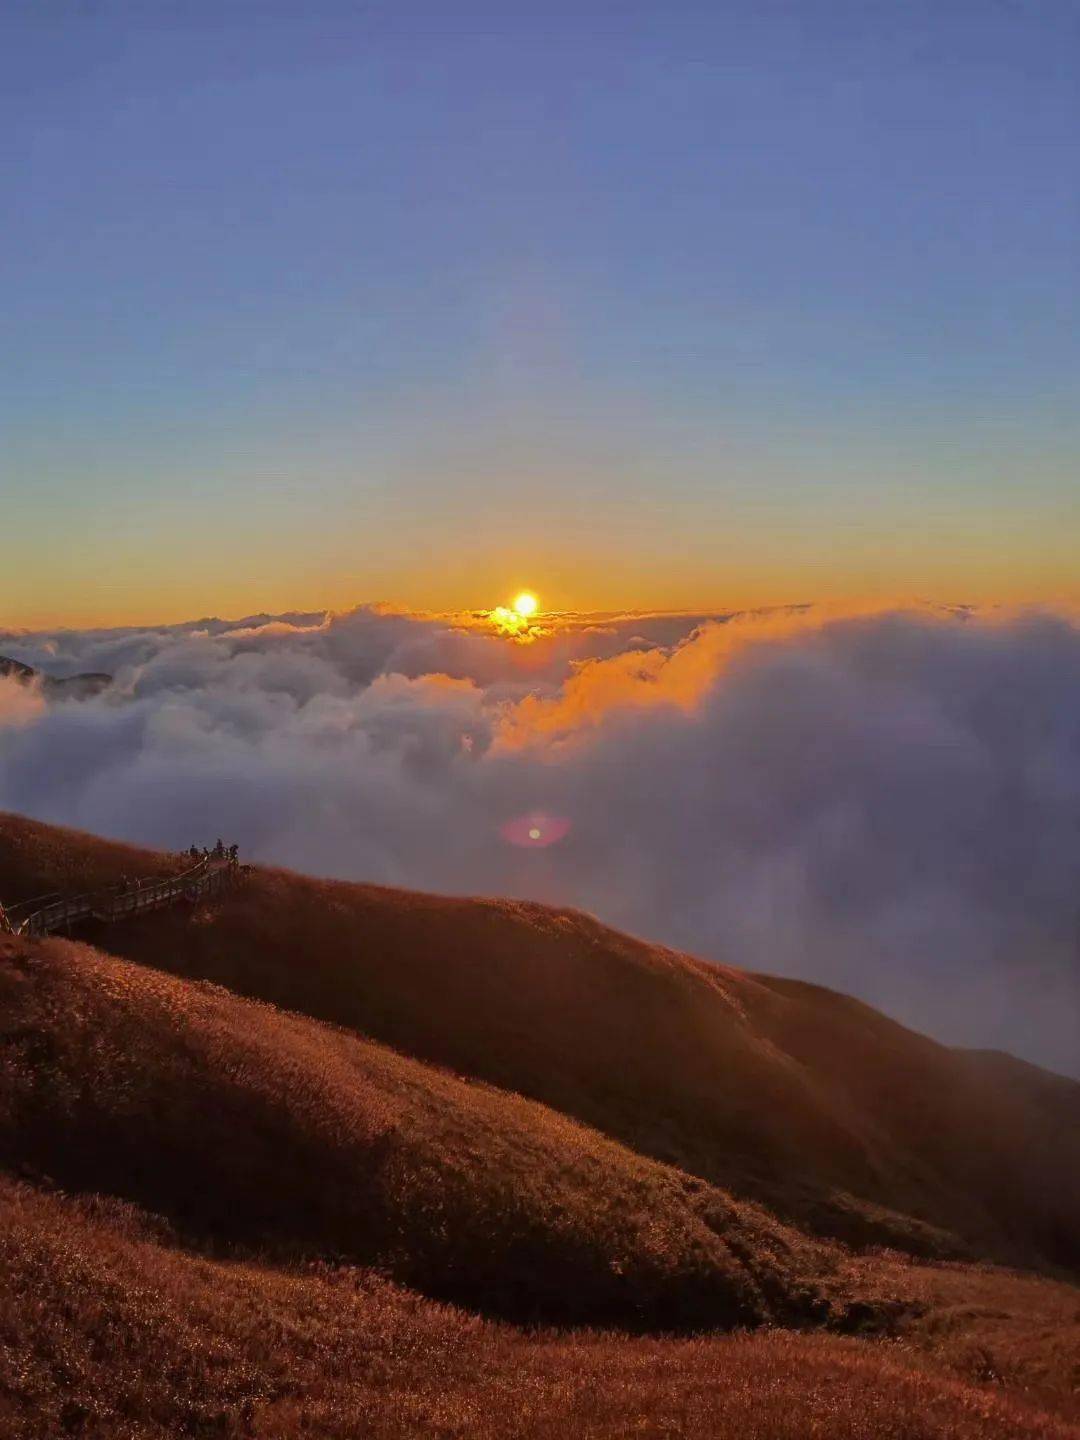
x=45 y=914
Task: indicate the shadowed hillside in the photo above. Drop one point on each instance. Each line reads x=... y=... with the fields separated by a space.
x=810 y=1102
x=248 y=1126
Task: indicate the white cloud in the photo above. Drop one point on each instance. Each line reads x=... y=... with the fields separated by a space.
x=887 y=803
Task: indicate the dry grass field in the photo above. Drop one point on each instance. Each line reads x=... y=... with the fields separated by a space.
x=325 y=1160
x=107 y=1329
x=245 y=1125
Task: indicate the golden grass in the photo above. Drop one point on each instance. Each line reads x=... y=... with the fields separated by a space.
x=1015 y=1330
x=107 y=1332
x=221 y=1144
x=36 y=859
x=248 y=1126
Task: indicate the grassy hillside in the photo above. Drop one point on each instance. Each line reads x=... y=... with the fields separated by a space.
x=259 y=1208
x=38 y=859
x=107 y=1329
x=812 y=1103
x=247 y=1126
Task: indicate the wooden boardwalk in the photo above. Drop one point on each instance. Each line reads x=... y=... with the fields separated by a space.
x=46 y=914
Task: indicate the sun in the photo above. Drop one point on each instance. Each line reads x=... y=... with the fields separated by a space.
x=517 y=621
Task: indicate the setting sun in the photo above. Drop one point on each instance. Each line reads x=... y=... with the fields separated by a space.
x=516 y=621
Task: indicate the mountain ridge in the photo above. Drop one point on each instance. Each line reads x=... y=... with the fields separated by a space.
x=82 y=686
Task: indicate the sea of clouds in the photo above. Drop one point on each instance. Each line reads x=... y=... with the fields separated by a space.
x=887 y=803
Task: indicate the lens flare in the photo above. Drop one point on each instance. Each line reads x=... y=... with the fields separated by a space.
x=536 y=830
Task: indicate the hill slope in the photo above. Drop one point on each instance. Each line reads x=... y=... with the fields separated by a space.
x=812 y=1103
x=239 y=1167
x=107 y=1329
x=247 y=1126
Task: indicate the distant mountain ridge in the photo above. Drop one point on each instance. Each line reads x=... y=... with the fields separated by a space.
x=67 y=687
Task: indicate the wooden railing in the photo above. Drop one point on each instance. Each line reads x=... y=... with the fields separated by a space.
x=46 y=914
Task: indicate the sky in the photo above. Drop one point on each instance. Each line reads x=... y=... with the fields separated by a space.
x=640 y=305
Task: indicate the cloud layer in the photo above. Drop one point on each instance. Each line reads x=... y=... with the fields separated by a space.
x=887 y=803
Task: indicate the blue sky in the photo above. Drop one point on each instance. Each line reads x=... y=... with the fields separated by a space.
x=690 y=304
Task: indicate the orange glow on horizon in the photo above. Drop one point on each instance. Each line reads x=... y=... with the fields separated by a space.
x=75 y=601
